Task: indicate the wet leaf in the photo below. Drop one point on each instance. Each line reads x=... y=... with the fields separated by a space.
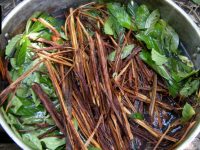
x=146 y=57
x=187 y=113
x=120 y=14
x=150 y=42
x=174 y=39
x=11 y=45
x=137 y=116
x=11 y=120
x=108 y=27
x=132 y=8
x=185 y=60
x=30 y=22
x=16 y=104
x=190 y=87
x=27 y=109
x=53 y=142
x=174 y=88
x=152 y=19
x=125 y=52
x=141 y=16
x=158 y=58
x=32 y=141
x=21 y=53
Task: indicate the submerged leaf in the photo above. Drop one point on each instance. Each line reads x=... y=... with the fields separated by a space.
x=187 y=113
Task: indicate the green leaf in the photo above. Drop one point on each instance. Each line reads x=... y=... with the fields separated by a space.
x=35 y=99
x=170 y=39
x=185 y=60
x=13 y=63
x=53 y=142
x=120 y=14
x=179 y=70
x=27 y=109
x=158 y=58
x=15 y=74
x=146 y=57
x=30 y=22
x=16 y=104
x=132 y=8
x=111 y=56
x=187 y=112
x=150 y=42
x=30 y=120
x=141 y=16
x=137 y=116
x=90 y=147
x=11 y=121
x=21 y=53
x=174 y=39
x=32 y=141
x=152 y=19
x=125 y=52
x=23 y=91
x=108 y=27
x=196 y=1
x=37 y=26
x=189 y=88
x=118 y=30
x=11 y=45
x=174 y=88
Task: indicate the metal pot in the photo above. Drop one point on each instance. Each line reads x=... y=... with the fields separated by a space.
x=188 y=31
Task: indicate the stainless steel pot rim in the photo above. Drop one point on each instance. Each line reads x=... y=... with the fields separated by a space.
x=25 y=147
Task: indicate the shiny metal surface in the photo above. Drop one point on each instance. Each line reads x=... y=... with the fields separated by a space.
x=189 y=34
